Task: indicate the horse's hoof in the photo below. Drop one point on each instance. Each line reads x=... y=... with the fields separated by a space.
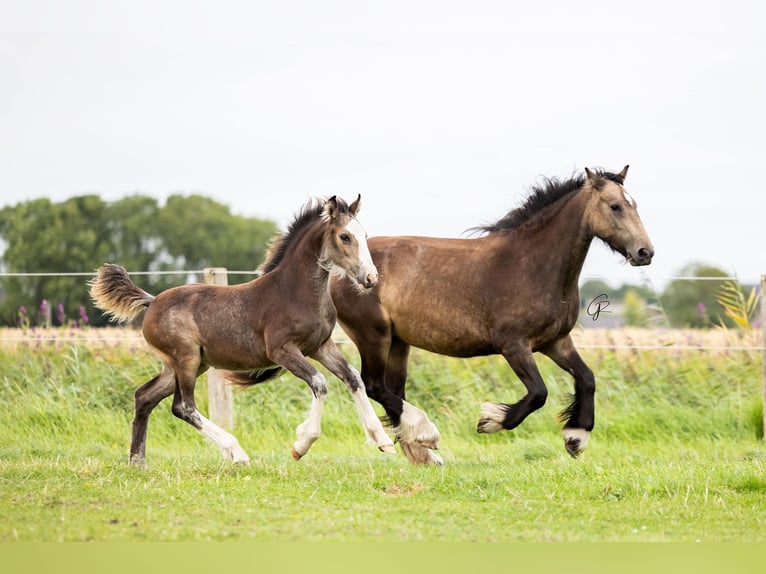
x=575 y=441
x=492 y=417
x=295 y=454
x=418 y=454
x=387 y=448
x=573 y=447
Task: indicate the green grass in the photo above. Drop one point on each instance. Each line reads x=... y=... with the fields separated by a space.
x=677 y=455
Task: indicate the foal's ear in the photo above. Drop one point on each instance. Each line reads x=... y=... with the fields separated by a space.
x=331 y=208
x=590 y=176
x=356 y=206
x=623 y=173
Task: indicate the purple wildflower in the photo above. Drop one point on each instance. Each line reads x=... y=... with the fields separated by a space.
x=83 y=315
x=61 y=313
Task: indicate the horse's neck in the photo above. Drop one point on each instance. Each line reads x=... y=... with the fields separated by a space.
x=567 y=240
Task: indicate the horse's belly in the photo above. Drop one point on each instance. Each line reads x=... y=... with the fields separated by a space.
x=445 y=339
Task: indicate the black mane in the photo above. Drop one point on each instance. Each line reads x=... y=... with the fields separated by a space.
x=280 y=243
x=542 y=195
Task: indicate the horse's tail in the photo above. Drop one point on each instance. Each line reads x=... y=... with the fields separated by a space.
x=247 y=378
x=114 y=293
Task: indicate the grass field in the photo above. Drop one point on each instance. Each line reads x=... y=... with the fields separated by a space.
x=677 y=453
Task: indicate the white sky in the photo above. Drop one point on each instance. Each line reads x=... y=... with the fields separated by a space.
x=440 y=114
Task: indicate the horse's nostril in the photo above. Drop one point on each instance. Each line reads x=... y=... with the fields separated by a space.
x=645 y=253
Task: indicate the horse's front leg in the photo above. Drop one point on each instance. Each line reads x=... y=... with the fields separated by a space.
x=332 y=359
x=502 y=416
x=579 y=416
x=290 y=357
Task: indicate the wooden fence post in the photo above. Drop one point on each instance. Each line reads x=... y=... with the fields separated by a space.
x=219 y=392
x=763 y=344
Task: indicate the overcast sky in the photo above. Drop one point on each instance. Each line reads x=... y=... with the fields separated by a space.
x=441 y=114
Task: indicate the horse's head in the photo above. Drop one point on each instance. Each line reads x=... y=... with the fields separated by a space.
x=612 y=217
x=346 y=245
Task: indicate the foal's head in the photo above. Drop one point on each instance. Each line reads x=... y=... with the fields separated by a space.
x=345 y=248
x=612 y=216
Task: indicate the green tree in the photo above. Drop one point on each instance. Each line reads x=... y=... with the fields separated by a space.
x=197 y=232
x=83 y=232
x=694 y=303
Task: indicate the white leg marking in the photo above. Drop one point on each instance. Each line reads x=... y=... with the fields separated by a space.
x=226 y=442
x=492 y=417
x=370 y=422
x=310 y=430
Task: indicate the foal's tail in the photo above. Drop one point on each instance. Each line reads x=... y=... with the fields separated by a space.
x=115 y=294
x=247 y=378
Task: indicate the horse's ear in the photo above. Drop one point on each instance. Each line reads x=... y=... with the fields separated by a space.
x=331 y=208
x=356 y=206
x=590 y=176
x=623 y=173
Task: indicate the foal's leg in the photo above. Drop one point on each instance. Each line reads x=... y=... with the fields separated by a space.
x=329 y=356
x=185 y=408
x=499 y=416
x=578 y=417
x=290 y=357
x=147 y=397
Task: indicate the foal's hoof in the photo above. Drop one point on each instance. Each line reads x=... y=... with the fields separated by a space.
x=387 y=448
x=295 y=454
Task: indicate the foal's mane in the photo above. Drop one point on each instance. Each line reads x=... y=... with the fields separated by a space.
x=542 y=195
x=280 y=244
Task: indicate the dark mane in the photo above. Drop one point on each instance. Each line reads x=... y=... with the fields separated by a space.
x=542 y=195
x=280 y=243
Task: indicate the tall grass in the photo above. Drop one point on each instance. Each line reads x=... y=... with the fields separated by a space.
x=677 y=454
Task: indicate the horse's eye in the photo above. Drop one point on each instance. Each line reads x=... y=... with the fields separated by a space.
x=344 y=237
x=616 y=207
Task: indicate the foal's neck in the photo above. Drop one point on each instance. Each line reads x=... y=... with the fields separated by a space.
x=302 y=264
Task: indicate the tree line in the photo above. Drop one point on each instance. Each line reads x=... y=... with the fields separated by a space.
x=137 y=232
x=194 y=231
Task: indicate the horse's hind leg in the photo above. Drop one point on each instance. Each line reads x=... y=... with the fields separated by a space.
x=185 y=408
x=415 y=432
x=578 y=417
x=147 y=397
x=384 y=372
x=329 y=356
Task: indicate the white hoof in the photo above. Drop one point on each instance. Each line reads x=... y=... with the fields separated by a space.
x=575 y=440
x=492 y=417
x=418 y=454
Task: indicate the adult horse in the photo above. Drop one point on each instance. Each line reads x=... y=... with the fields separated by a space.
x=268 y=324
x=512 y=291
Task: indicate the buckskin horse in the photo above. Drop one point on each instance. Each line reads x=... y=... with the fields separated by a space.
x=253 y=330
x=511 y=291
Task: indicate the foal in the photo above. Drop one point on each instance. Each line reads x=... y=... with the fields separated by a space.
x=269 y=323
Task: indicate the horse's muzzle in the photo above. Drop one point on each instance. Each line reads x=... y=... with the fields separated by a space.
x=642 y=257
x=367 y=279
